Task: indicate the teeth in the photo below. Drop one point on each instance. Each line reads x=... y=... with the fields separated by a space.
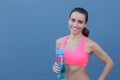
x=74 y=29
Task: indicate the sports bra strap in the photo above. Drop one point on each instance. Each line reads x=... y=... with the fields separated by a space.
x=83 y=41
x=66 y=37
x=63 y=42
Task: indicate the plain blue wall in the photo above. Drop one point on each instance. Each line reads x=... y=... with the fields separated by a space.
x=29 y=28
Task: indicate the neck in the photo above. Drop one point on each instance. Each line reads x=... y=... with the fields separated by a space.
x=74 y=37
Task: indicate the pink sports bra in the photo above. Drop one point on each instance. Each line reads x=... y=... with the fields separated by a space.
x=78 y=57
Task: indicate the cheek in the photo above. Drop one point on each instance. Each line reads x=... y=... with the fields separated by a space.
x=82 y=25
x=70 y=24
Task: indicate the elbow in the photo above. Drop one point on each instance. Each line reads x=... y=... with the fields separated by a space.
x=110 y=63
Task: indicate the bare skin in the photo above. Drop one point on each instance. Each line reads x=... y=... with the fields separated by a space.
x=76 y=25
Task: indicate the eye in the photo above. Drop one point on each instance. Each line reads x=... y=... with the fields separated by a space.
x=73 y=20
x=80 y=21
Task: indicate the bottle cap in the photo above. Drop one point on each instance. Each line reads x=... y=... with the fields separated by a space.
x=59 y=51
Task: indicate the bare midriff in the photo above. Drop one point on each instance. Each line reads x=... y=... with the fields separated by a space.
x=76 y=73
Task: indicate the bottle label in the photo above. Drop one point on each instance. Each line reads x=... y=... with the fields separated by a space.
x=60 y=61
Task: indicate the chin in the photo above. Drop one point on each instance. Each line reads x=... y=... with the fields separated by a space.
x=75 y=33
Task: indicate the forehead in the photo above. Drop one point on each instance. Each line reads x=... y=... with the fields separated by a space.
x=77 y=15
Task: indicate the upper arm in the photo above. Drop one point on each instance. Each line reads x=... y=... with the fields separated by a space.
x=100 y=53
x=58 y=43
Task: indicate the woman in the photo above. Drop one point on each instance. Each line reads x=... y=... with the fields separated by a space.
x=78 y=48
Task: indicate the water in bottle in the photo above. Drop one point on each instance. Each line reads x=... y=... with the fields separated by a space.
x=60 y=60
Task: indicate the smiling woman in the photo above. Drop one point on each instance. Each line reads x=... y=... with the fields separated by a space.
x=78 y=48
x=77 y=22
x=79 y=18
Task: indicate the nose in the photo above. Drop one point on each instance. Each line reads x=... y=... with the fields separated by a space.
x=75 y=24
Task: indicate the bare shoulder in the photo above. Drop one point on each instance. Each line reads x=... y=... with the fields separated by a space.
x=58 y=42
x=91 y=45
x=94 y=47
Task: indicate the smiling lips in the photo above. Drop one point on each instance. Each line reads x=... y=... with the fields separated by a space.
x=74 y=29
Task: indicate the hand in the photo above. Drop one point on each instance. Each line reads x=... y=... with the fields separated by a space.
x=55 y=68
x=101 y=79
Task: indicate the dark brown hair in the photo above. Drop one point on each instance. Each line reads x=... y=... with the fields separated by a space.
x=85 y=31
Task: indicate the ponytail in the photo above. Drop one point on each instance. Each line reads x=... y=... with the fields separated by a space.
x=85 y=32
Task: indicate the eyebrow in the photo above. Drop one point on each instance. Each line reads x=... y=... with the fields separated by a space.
x=78 y=20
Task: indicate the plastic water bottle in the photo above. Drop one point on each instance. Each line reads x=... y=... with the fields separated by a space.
x=60 y=60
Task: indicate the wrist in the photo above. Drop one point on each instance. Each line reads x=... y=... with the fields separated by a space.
x=101 y=79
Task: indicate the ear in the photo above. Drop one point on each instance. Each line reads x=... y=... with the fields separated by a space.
x=85 y=25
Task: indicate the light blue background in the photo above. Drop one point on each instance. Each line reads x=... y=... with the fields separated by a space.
x=29 y=29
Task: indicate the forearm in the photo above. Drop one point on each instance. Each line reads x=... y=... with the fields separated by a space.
x=106 y=70
x=64 y=79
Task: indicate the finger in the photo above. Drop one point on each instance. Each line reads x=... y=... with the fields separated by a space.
x=56 y=64
x=56 y=70
x=56 y=67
